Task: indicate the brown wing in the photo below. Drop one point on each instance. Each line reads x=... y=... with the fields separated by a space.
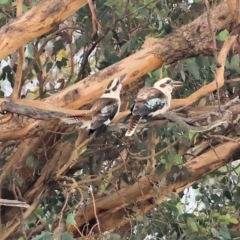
x=148 y=100
x=103 y=111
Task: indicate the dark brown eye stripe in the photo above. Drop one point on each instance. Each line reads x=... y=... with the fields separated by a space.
x=110 y=84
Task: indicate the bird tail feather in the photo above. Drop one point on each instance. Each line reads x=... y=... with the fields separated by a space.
x=133 y=125
x=78 y=118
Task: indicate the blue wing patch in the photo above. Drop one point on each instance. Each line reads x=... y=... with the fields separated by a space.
x=152 y=103
x=105 y=110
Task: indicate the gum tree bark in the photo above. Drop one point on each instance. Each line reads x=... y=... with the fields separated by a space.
x=35 y=22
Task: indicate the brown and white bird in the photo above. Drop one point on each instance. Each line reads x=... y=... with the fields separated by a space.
x=151 y=101
x=103 y=110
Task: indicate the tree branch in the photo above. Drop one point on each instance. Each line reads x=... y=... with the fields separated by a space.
x=21 y=58
x=35 y=22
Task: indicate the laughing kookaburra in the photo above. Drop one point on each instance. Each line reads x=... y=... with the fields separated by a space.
x=151 y=101
x=103 y=110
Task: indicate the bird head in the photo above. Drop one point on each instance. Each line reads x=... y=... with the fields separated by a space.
x=114 y=87
x=166 y=85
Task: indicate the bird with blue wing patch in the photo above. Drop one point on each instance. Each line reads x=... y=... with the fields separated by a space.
x=103 y=110
x=151 y=101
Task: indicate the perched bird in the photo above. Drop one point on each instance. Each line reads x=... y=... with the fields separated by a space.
x=103 y=110
x=151 y=101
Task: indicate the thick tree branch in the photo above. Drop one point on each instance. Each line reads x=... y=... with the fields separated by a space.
x=35 y=22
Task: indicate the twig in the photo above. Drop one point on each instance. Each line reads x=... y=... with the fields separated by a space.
x=18 y=79
x=72 y=64
x=233 y=80
x=214 y=48
x=13 y=203
x=61 y=213
x=95 y=212
x=223 y=138
x=183 y=124
x=95 y=22
x=85 y=62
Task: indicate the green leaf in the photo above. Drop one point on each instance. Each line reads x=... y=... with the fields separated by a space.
x=233 y=220
x=194 y=70
x=160 y=169
x=214 y=232
x=4 y=1
x=177 y=158
x=115 y=236
x=31 y=162
x=25 y=8
x=224 y=218
x=172 y=208
x=225 y=232
x=43 y=236
x=67 y=236
x=222 y=36
x=49 y=66
x=125 y=178
x=19 y=180
x=192 y=224
x=191 y=135
x=70 y=219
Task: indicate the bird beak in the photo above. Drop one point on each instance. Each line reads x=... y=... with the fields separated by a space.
x=176 y=83
x=121 y=78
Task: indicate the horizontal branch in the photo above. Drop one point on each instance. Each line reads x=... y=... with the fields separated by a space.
x=41 y=114
x=31 y=112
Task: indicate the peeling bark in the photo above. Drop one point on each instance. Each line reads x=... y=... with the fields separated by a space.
x=35 y=22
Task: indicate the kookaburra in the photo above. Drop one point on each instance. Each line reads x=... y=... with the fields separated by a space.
x=103 y=110
x=151 y=101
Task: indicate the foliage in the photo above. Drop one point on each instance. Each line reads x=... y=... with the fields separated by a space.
x=68 y=56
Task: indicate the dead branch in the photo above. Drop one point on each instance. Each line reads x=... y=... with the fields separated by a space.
x=13 y=203
x=29 y=111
